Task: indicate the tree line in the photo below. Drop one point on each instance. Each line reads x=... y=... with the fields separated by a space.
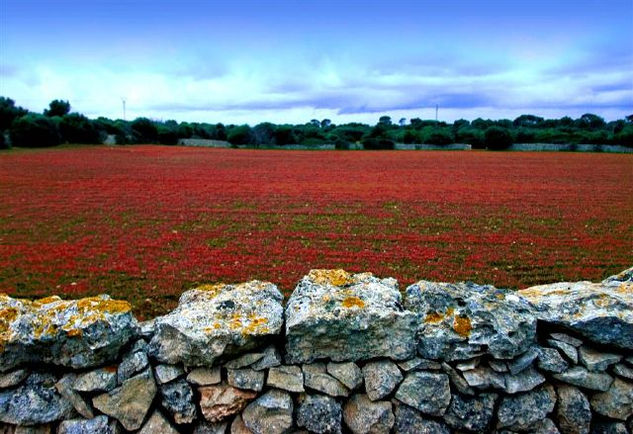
x=57 y=125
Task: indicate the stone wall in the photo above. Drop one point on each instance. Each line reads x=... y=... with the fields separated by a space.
x=347 y=353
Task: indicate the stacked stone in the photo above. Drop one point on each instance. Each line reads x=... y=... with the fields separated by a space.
x=353 y=356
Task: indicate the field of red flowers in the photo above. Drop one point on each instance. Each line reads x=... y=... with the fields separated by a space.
x=144 y=223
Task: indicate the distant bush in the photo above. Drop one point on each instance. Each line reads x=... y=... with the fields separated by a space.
x=439 y=137
x=144 y=131
x=76 y=128
x=167 y=136
x=34 y=131
x=378 y=143
x=625 y=136
x=9 y=112
x=240 y=135
x=3 y=142
x=497 y=138
x=57 y=107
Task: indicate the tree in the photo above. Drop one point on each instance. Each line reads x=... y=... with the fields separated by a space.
x=76 y=128
x=385 y=120
x=527 y=121
x=240 y=135
x=9 y=112
x=326 y=123
x=590 y=121
x=57 y=107
x=34 y=131
x=402 y=122
x=144 y=131
x=497 y=138
x=284 y=135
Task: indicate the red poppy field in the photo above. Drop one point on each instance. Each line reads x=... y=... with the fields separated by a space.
x=145 y=223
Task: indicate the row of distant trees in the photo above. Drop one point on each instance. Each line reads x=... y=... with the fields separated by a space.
x=57 y=125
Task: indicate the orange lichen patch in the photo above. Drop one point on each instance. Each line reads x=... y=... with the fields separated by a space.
x=75 y=333
x=462 y=326
x=353 y=302
x=47 y=300
x=434 y=317
x=539 y=292
x=101 y=305
x=110 y=369
x=450 y=311
x=212 y=288
x=625 y=288
x=8 y=314
x=602 y=300
x=256 y=324
x=337 y=277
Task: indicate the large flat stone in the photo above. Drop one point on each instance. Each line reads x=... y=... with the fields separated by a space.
x=217 y=320
x=71 y=333
x=459 y=321
x=35 y=401
x=340 y=316
x=601 y=312
x=130 y=402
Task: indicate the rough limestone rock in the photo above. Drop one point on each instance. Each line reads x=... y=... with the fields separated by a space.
x=65 y=388
x=381 y=377
x=601 y=312
x=524 y=381
x=130 y=402
x=271 y=413
x=427 y=392
x=418 y=363
x=35 y=401
x=521 y=411
x=246 y=379
x=98 y=380
x=411 y=421
x=134 y=361
x=597 y=360
x=566 y=349
x=347 y=373
x=471 y=413
x=623 y=276
x=221 y=401
x=579 y=376
x=177 y=398
x=286 y=377
x=205 y=376
x=98 y=424
x=617 y=402
x=13 y=378
x=347 y=317
x=623 y=371
x=484 y=377
x=211 y=428
x=574 y=413
x=316 y=377
x=457 y=380
x=157 y=424
x=364 y=416
x=463 y=320
x=550 y=360
x=72 y=333
x=544 y=426
x=271 y=358
x=216 y=320
x=167 y=373
x=609 y=428
x=319 y=414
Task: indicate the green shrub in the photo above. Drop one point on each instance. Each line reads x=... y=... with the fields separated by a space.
x=625 y=136
x=240 y=135
x=34 y=131
x=144 y=131
x=167 y=136
x=373 y=143
x=76 y=128
x=497 y=138
x=439 y=137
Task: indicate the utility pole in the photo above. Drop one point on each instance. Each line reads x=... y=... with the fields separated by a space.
x=436 y=109
x=123 y=101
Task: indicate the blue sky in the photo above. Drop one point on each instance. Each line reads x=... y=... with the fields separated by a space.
x=292 y=61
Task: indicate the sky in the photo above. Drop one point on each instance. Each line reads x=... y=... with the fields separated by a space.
x=292 y=61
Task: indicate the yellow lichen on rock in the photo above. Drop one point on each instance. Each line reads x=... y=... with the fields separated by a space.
x=433 y=317
x=462 y=326
x=338 y=277
x=103 y=305
x=211 y=288
x=352 y=301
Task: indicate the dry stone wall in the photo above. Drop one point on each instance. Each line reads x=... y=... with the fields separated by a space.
x=347 y=353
